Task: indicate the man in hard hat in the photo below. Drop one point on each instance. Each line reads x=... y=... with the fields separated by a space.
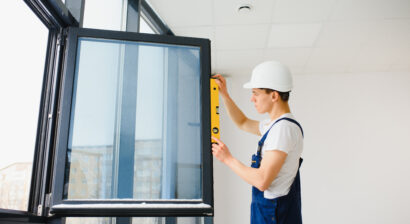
x=274 y=172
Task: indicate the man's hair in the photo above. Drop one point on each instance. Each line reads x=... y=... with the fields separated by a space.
x=283 y=95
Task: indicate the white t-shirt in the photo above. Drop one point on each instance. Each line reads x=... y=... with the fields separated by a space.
x=287 y=137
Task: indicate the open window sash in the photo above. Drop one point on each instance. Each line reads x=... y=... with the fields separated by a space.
x=133 y=126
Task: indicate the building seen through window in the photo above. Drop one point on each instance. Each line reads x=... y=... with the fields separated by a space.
x=166 y=148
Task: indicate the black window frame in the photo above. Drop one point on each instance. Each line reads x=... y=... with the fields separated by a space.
x=56 y=16
x=135 y=208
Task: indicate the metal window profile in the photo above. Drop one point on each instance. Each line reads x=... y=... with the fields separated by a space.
x=153 y=20
x=54 y=16
x=54 y=21
x=133 y=16
x=46 y=124
x=53 y=13
x=76 y=8
x=130 y=207
x=14 y=216
x=48 y=13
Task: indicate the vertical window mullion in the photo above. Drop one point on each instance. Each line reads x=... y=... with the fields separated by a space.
x=170 y=151
x=127 y=128
x=133 y=15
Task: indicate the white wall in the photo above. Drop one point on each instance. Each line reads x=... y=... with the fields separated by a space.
x=356 y=150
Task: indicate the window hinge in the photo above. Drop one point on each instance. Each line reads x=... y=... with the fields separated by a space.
x=60 y=39
x=47 y=203
x=40 y=210
x=48 y=200
x=44 y=211
x=62 y=36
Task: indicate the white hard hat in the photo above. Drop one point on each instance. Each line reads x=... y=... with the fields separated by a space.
x=271 y=75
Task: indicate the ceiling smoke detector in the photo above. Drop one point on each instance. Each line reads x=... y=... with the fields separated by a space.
x=244 y=9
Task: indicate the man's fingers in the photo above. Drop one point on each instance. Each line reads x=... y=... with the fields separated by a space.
x=217 y=140
x=219 y=77
x=216 y=146
x=220 y=83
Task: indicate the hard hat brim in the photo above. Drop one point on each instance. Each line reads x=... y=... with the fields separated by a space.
x=251 y=85
x=248 y=85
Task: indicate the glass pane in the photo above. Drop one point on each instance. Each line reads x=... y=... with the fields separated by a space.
x=107 y=15
x=22 y=68
x=171 y=220
x=143 y=220
x=91 y=220
x=144 y=27
x=135 y=122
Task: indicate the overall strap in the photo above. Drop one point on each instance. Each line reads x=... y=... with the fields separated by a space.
x=262 y=141
x=295 y=122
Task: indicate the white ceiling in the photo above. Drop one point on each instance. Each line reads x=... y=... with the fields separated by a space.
x=310 y=36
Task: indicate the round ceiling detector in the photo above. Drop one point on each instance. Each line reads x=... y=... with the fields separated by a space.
x=244 y=9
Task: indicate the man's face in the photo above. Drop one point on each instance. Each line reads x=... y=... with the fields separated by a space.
x=262 y=101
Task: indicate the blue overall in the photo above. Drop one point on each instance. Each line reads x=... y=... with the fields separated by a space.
x=282 y=210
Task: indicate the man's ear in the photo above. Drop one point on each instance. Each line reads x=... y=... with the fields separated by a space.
x=275 y=96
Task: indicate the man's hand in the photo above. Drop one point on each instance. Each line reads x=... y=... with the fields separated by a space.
x=221 y=82
x=261 y=177
x=221 y=151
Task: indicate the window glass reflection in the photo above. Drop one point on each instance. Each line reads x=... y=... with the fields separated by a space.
x=135 y=122
x=142 y=220
x=144 y=27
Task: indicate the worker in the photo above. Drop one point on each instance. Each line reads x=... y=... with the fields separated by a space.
x=274 y=172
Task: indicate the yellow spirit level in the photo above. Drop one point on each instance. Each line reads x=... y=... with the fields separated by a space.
x=214 y=110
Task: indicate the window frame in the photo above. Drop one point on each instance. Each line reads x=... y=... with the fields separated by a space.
x=135 y=208
x=54 y=15
x=153 y=20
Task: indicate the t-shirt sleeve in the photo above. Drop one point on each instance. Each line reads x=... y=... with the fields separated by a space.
x=281 y=137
